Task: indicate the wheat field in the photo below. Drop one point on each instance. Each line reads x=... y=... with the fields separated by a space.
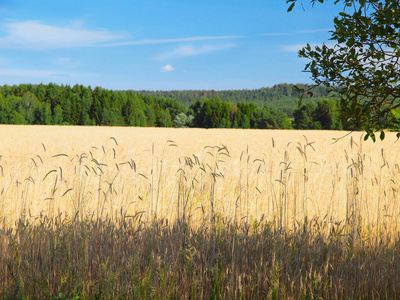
x=215 y=184
x=278 y=175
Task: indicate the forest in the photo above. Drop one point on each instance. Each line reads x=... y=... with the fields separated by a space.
x=282 y=97
x=266 y=108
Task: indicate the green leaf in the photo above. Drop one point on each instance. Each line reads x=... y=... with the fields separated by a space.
x=396 y=113
x=382 y=136
x=300 y=101
x=291 y=7
x=372 y=135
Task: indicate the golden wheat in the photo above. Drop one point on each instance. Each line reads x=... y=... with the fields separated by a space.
x=253 y=213
x=284 y=176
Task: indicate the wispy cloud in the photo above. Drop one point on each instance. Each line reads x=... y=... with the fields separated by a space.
x=175 y=40
x=314 y=30
x=296 y=32
x=190 y=50
x=293 y=48
x=36 y=35
x=167 y=68
x=275 y=34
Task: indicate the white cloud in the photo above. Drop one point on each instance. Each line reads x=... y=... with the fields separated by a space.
x=167 y=68
x=176 y=40
x=275 y=34
x=294 y=48
x=296 y=32
x=36 y=35
x=192 y=51
x=315 y=30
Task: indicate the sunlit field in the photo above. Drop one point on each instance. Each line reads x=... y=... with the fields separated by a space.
x=193 y=213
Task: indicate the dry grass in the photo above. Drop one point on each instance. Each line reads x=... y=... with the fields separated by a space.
x=194 y=213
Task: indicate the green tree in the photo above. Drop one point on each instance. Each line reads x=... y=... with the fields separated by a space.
x=283 y=121
x=129 y=112
x=58 y=115
x=46 y=115
x=43 y=114
x=85 y=102
x=67 y=109
x=198 y=118
x=17 y=118
x=166 y=118
x=141 y=120
x=326 y=115
x=30 y=103
x=150 y=116
x=363 y=65
x=182 y=120
x=96 y=111
x=264 y=119
x=113 y=117
x=303 y=117
x=211 y=113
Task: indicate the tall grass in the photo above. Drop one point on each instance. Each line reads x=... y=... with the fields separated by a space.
x=62 y=259
x=298 y=218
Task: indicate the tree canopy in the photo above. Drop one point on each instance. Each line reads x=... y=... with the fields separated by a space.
x=362 y=68
x=78 y=105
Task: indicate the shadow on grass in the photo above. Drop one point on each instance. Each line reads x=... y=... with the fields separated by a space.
x=62 y=259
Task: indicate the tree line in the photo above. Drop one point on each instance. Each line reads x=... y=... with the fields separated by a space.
x=53 y=104
x=79 y=105
x=283 y=97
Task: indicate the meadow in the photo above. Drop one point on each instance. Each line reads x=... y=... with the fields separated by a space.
x=108 y=212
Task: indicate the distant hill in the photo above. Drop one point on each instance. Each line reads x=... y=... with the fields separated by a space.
x=282 y=97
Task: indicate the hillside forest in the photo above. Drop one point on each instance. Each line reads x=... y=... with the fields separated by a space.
x=265 y=108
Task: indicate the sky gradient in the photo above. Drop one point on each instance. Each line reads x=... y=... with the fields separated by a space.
x=159 y=45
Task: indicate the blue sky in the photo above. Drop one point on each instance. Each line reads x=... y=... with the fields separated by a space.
x=159 y=45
